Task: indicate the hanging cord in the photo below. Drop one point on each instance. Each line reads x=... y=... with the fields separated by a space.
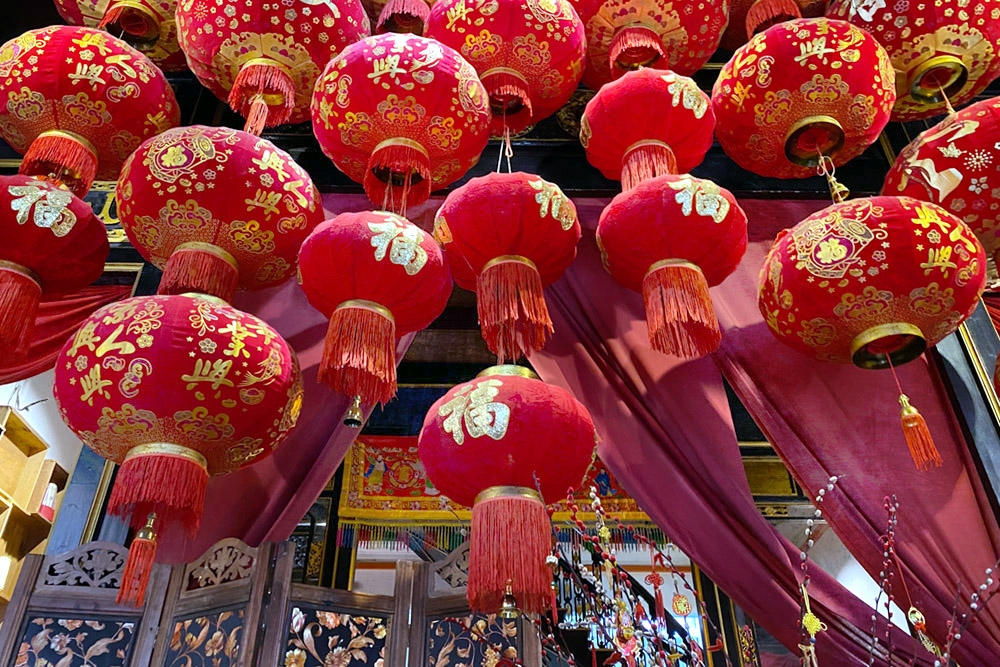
x=947 y=102
x=827 y=169
x=506 y=150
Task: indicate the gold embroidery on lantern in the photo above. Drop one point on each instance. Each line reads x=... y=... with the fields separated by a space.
x=401 y=242
x=239 y=333
x=870 y=303
x=829 y=246
x=209 y=370
x=442 y=232
x=931 y=300
x=704 y=197
x=267 y=370
x=686 y=93
x=246 y=450
x=482 y=416
x=92 y=383
x=551 y=198
x=198 y=424
x=50 y=207
x=130 y=381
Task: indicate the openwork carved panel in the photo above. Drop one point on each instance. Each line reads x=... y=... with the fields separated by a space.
x=94 y=565
x=207 y=641
x=455 y=568
x=325 y=638
x=228 y=561
x=67 y=642
x=478 y=641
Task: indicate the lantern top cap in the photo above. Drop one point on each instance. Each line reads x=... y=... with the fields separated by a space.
x=508 y=369
x=211 y=298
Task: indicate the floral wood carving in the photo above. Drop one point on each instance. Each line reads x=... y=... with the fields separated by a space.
x=227 y=561
x=74 y=643
x=94 y=565
x=320 y=638
x=455 y=568
x=490 y=641
x=207 y=641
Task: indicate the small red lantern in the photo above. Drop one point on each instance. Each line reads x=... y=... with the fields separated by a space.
x=174 y=389
x=507 y=236
x=500 y=444
x=748 y=17
x=801 y=90
x=216 y=208
x=955 y=165
x=52 y=244
x=377 y=276
x=944 y=54
x=528 y=55
x=403 y=16
x=624 y=35
x=874 y=281
x=76 y=102
x=671 y=238
x=264 y=57
x=402 y=115
x=646 y=124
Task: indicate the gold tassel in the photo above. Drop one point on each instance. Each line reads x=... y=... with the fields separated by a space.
x=918 y=437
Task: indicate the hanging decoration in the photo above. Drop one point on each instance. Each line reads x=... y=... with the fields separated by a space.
x=76 y=102
x=944 y=54
x=874 y=282
x=402 y=115
x=647 y=123
x=801 y=91
x=529 y=55
x=264 y=58
x=624 y=35
x=377 y=276
x=500 y=444
x=671 y=238
x=403 y=16
x=507 y=236
x=52 y=244
x=216 y=209
x=174 y=389
x=748 y=17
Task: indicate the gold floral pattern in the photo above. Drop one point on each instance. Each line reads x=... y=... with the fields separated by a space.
x=323 y=638
x=64 y=642
x=490 y=641
x=206 y=641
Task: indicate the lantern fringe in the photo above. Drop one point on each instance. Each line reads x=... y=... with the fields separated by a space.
x=254 y=81
x=501 y=86
x=135 y=576
x=61 y=159
x=256 y=117
x=171 y=486
x=126 y=19
x=765 y=13
x=513 y=316
x=679 y=311
x=198 y=269
x=918 y=437
x=395 y=193
x=633 y=47
x=403 y=16
x=645 y=161
x=19 y=297
x=359 y=354
x=511 y=537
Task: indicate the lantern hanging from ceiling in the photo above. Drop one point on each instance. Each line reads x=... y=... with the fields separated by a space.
x=216 y=209
x=671 y=238
x=77 y=101
x=943 y=53
x=377 y=276
x=52 y=244
x=646 y=124
x=404 y=16
x=748 y=17
x=148 y=25
x=874 y=282
x=799 y=90
x=956 y=164
x=264 y=57
x=500 y=444
x=624 y=35
x=402 y=115
x=507 y=236
x=174 y=389
x=529 y=55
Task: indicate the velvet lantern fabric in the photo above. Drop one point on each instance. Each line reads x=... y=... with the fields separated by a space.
x=748 y=17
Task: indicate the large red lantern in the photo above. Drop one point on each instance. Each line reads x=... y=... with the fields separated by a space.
x=507 y=236
x=943 y=53
x=216 y=209
x=529 y=55
x=646 y=124
x=52 y=244
x=955 y=164
x=801 y=90
x=76 y=102
x=748 y=17
x=874 y=282
x=174 y=389
x=500 y=444
x=624 y=35
x=264 y=57
x=671 y=238
x=377 y=276
x=402 y=115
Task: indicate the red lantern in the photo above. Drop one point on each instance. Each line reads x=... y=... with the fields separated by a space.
x=76 y=102
x=955 y=165
x=748 y=17
x=507 y=236
x=671 y=238
x=216 y=208
x=500 y=444
x=944 y=54
x=528 y=55
x=401 y=114
x=264 y=57
x=624 y=35
x=874 y=281
x=377 y=276
x=174 y=389
x=799 y=90
x=646 y=124
x=148 y=25
x=52 y=244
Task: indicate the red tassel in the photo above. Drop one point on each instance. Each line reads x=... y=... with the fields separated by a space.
x=918 y=437
x=263 y=81
x=137 y=24
x=513 y=316
x=20 y=292
x=203 y=268
x=645 y=160
x=403 y=16
x=161 y=478
x=64 y=158
x=679 y=310
x=765 y=13
x=633 y=47
x=399 y=174
x=138 y=566
x=553 y=604
x=511 y=536
x=510 y=100
x=359 y=355
x=256 y=116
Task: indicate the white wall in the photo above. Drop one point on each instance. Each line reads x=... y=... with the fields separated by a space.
x=44 y=417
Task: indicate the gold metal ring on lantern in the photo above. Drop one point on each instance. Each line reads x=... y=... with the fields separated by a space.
x=266 y=62
x=364 y=304
x=72 y=136
x=912 y=347
x=506 y=259
x=503 y=70
x=152 y=21
x=958 y=76
x=20 y=269
x=211 y=298
x=401 y=141
x=211 y=249
x=509 y=492
x=167 y=449
x=509 y=370
x=678 y=263
x=809 y=157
